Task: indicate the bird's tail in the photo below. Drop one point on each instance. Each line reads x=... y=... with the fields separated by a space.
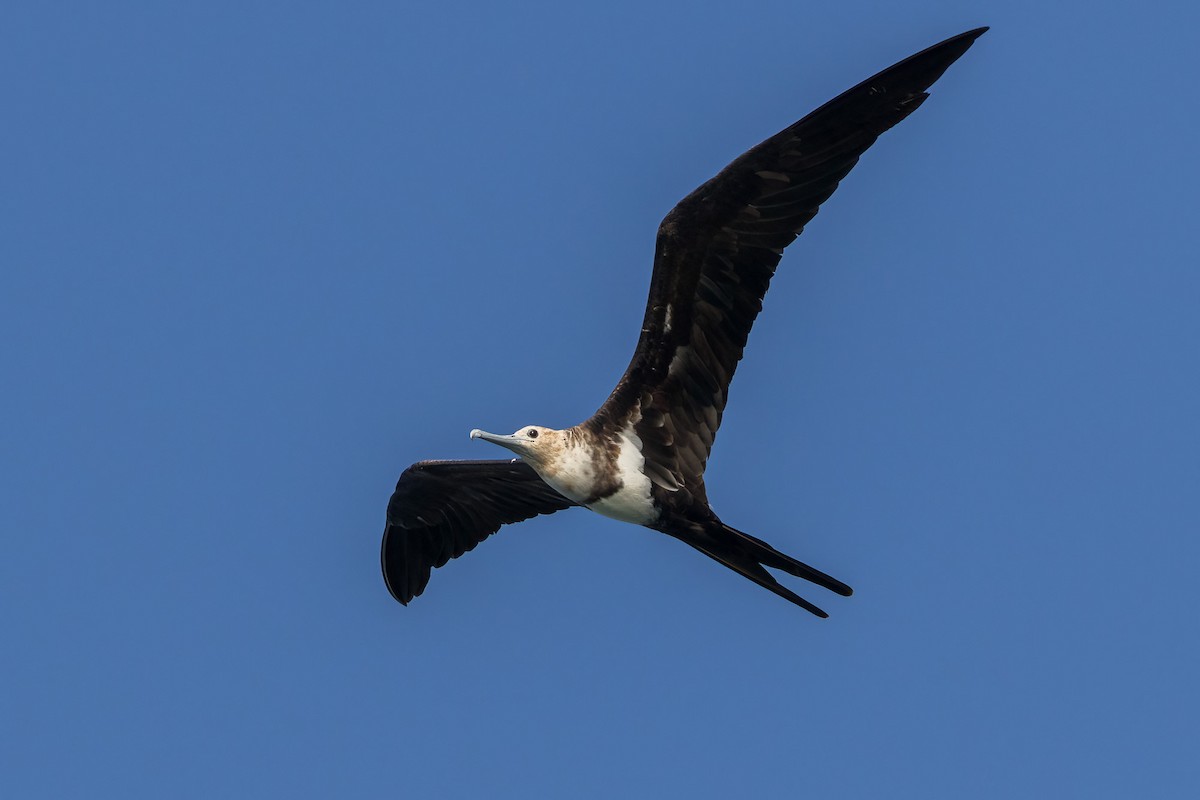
x=749 y=556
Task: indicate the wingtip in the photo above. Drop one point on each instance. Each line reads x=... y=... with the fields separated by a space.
x=958 y=45
x=964 y=38
x=921 y=70
x=397 y=596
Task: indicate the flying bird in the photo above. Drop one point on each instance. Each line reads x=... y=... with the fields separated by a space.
x=641 y=457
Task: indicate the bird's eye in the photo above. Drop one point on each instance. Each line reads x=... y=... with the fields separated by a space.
x=532 y=433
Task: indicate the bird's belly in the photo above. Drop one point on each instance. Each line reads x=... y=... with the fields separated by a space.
x=580 y=476
x=630 y=503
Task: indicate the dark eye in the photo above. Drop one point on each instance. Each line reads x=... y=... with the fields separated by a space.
x=532 y=433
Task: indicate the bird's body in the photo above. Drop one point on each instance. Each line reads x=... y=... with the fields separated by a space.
x=641 y=457
x=604 y=473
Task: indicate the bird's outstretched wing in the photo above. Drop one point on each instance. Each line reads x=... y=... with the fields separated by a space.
x=442 y=509
x=716 y=253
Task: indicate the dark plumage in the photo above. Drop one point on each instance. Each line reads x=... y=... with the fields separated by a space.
x=714 y=258
x=442 y=509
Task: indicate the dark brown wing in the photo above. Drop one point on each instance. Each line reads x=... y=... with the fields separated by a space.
x=716 y=253
x=442 y=509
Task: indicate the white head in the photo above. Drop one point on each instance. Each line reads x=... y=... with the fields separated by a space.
x=537 y=445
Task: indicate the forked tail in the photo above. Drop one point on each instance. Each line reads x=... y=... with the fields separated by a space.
x=749 y=556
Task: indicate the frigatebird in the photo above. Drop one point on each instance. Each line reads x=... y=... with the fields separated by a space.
x=641 y=457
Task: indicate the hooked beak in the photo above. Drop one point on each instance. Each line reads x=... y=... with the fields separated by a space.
x=511 y=442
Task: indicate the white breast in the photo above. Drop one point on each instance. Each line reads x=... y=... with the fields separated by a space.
x=632 y=502
x=574 y=478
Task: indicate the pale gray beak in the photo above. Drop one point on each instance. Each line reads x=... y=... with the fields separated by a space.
x=511 y=442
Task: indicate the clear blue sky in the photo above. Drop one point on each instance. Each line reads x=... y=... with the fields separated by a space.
x=256 y=258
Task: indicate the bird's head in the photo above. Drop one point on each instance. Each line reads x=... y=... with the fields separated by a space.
x=537 y=445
